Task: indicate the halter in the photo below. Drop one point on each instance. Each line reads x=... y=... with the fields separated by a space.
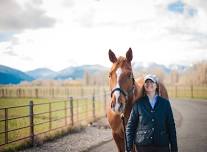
x=127 y=93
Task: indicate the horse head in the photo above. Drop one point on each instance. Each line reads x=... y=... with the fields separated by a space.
x=121 y=81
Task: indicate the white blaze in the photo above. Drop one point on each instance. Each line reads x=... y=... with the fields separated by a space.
x=117 y=93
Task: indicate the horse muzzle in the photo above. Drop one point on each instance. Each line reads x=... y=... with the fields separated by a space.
x=118 y=107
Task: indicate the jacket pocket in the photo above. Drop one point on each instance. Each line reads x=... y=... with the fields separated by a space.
x=143 y=137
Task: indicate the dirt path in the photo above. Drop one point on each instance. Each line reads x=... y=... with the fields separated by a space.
x=191 y=124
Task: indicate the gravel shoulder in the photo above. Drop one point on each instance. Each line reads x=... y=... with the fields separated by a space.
x=91 y=136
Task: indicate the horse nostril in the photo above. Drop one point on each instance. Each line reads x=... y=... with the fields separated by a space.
x=120 y=107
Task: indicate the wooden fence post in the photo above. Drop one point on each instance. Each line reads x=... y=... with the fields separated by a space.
x=50 y=116
x=176 y=95
x=20 y=92
x=6 y=93
x=66 y=115
x=3 y=93
x=17 y=93
x=23 y=93
x=191 y=90
x=36 y=93
x=6 y=126
x=93 y=107
x=71 y=110
x=77 y=109
x=31 y=106
x=82 y=92
x=53 y=92
x=105 y=101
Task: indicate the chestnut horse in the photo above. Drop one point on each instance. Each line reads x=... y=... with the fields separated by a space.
x=124 y=92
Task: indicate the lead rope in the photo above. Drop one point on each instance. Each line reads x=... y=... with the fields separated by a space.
x=125 y=139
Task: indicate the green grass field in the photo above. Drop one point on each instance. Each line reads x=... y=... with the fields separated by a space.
x=82 y=114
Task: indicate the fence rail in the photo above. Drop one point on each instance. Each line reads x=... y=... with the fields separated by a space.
x=63 y=92
x=49 y=92
x=75 y=111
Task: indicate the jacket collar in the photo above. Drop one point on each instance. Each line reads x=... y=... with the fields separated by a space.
x=148 y=105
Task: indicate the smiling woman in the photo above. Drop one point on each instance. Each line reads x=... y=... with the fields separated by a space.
x=151 y=124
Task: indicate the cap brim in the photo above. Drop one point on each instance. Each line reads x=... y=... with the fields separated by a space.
x=150 y=79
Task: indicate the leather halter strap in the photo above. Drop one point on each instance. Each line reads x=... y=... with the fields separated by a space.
x=127 y=93
x=121 y=90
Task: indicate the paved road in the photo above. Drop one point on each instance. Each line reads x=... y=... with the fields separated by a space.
x=191 y=124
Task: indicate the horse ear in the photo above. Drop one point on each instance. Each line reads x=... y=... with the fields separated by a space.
x=129 y=55
x=112 y=56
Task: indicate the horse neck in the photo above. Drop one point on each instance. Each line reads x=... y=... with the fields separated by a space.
x=137 y=94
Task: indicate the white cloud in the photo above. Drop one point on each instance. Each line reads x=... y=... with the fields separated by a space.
x=86 y=30
x=15 y=17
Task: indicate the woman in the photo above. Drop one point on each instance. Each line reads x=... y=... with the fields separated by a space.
x=151 y=124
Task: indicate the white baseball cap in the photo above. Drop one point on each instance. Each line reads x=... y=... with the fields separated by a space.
x=151 y=77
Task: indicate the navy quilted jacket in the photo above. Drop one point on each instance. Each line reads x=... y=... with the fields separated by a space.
x=151 y=127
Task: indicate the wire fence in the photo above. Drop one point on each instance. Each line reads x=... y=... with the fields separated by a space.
x=26 y=122
x=191 y=91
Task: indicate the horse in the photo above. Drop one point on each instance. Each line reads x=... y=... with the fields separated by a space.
x=125 y=90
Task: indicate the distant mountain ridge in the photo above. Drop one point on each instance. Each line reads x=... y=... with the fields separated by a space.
x=42 y=73
x=12 y=76
x=70 y=73
x=165 y=69
x=78 y=71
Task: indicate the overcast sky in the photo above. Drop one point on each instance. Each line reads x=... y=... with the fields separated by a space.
x=60 y=33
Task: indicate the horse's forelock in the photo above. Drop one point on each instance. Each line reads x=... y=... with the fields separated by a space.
x=119 y=63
